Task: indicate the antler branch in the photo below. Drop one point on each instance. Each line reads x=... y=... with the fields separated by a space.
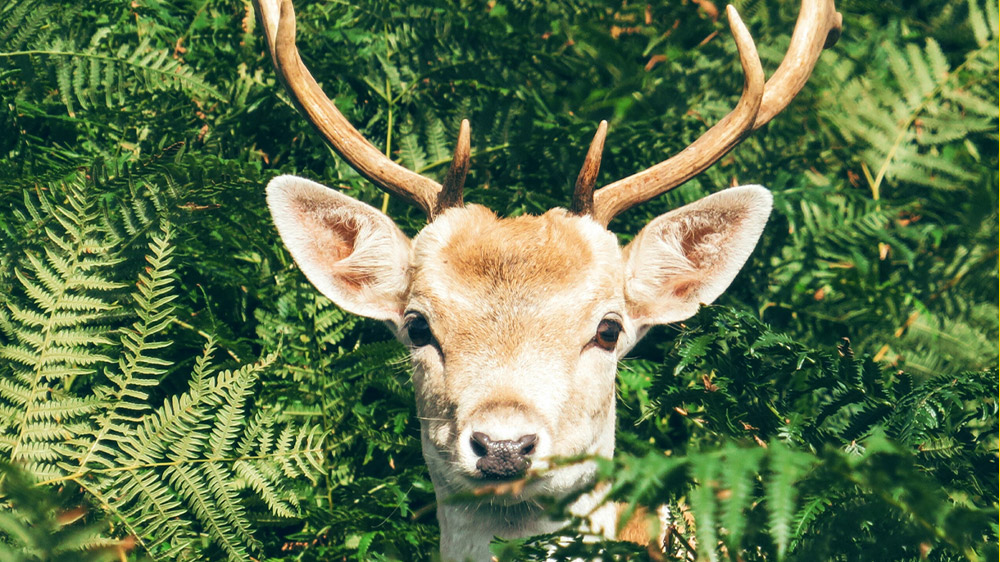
x=451 y=193
x=279 y=28
x=817 y=27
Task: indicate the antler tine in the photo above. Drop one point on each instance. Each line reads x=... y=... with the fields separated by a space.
x=817 y=27
x=352 y=146
x=451 y=193
x=583 y=193
x=612 y=199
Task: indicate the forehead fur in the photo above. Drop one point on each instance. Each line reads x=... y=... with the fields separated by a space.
x=551 y=252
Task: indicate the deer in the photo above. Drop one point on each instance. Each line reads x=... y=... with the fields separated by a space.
x=515 y=325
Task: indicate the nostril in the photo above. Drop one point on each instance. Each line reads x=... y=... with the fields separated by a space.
x=527 y=444
x=480 y=444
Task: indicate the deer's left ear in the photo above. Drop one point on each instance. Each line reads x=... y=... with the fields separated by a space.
x=689 y=256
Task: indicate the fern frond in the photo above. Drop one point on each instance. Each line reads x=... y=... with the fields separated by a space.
x=59 y=330
x=786 y=467
x=191 y=487
x=930 y=105
x=738 y=471
x=705 y=471
x=264 y=485
x=411 y=152
x=91 y=74
x=138 y=369
x=812 y=507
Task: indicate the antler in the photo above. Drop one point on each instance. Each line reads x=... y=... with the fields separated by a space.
x=817 y=27
x=352 y=146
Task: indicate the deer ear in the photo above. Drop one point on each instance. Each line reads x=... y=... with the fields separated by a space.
x=689 y=256
x=349 y=251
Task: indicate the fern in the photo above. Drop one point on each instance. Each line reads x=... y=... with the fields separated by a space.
x=936 y=343
x=928 y=106
x=786 y=468
x=73 y=415
x=91 y=73
x=738 y=478
x=702 y=500
x=24 y=22
x=56 y=333
x=138 y=369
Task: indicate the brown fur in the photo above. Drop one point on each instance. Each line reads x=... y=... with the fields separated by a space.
x=638 y=526
x=525 y=251
x=499 y=402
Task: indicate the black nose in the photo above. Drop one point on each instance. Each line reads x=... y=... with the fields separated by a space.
x=504 y=459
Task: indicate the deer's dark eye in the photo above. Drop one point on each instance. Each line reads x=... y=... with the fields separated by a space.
x=607 y=334
x=418 y=330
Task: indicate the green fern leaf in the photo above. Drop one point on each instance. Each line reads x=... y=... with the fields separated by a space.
x=705 y=470
x=738 y=472
x=786 y=467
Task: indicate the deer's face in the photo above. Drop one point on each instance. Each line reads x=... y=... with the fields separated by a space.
x=515 y=327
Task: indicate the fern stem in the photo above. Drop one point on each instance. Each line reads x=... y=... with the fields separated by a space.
x=115 y=469
x=191 y=81
x=106 y=505
x=205 y=335
x=215 y=529
x=445 y=161
x=900 y=137
x=59 y=303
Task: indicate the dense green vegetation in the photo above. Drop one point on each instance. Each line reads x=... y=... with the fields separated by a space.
x=171 y=387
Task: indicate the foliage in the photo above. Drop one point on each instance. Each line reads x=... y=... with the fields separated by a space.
x=72 y=414
x=37 y=526
x=166 y=368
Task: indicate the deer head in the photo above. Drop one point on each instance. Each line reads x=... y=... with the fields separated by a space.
x=516 y=325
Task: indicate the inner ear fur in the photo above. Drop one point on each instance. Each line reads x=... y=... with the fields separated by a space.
x=690 y=255
x=349 y=251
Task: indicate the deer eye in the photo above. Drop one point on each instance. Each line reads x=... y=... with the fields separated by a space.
x=607 y=334
x=418 y=330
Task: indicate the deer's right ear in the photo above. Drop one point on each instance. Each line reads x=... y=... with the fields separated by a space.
x=349 y=251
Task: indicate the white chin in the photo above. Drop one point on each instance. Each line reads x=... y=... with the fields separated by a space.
x=553 y=483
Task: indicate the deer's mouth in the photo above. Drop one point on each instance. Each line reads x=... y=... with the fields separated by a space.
x=526 y=488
